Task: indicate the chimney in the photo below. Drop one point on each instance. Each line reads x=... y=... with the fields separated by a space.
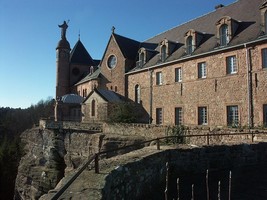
x=219 y=6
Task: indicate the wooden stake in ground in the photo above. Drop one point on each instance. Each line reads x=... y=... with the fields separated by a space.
x=178 y=190
x=207 y=184
x=219 y=190
x=167 y=181
x=192 y=192
x=230 y=183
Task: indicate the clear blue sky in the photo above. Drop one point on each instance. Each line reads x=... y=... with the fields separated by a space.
x=29 y=34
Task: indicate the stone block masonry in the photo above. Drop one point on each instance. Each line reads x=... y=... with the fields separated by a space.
x=145 y=178
x=141 y=174
x=152 y=131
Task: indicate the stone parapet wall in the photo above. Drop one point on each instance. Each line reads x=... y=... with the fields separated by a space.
x=138 y=180
x=151 y=131
x=51 y=124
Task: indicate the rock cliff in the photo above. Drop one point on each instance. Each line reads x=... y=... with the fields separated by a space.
x=52 y=154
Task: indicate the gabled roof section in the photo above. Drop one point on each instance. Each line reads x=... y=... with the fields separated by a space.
x=206 y=23
x=90 y=77
x=79 y=55
x=245 y=12
x=106 y=95
x=124 y=44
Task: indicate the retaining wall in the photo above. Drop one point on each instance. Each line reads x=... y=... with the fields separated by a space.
x=151 y=131
x=145 y=179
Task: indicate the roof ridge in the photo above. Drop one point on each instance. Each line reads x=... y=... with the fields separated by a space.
x=115 y=34
x=188 y=22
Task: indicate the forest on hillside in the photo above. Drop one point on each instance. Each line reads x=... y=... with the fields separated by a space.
x=13 y=121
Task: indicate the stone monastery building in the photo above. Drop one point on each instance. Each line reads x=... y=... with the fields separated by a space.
x=210 y=71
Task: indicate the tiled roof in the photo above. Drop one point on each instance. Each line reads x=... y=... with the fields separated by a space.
x=79 y=55
x=245 y=12
x=72 y=99
x=124 y=44
x=107 y=95
x=89 y=77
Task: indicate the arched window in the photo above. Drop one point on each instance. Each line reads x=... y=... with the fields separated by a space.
x=137 y=94
x=189 y=45
x=224 y=35
x=163 y=53
x=93 y=108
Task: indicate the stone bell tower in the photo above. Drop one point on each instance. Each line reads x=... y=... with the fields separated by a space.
x=62 y=74
x=62 y=63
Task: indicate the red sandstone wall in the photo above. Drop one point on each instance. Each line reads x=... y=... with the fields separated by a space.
x=193 y=92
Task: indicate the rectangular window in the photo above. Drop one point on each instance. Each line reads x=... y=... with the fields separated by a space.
x=178 y=116
x=159 y=117
x=202 y=70
x=232 y=116
x=265 y=115
x=231 y=67
x=264 y=57
x=202 y=116
x=178 y=74
x=159 y=78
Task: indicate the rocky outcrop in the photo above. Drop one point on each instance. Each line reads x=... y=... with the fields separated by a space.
x=50 y=155
x=43 y=164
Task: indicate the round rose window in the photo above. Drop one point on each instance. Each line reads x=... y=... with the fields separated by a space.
x=112 y=61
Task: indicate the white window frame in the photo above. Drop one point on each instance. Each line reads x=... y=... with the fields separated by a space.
x=159 y=78
x=189 y=45
x=178 y=74
x=224 y=35
x=202 y=70
x=137 y=91
x=231 y=65
x=178 y=115
x=232 y=116
x=202 y=115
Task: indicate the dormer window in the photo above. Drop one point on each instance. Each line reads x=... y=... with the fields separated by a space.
x=142 y=58
x=163 y=53
x=91 y=69
x=263 y=10
x=192 y=40
x=226 y=29
x=224 y=35
x=189 y=45
x=166 y=49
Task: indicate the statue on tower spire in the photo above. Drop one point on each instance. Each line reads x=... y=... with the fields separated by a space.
x=63 y=27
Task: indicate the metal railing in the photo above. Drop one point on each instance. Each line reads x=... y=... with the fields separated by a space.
x=72 y=178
